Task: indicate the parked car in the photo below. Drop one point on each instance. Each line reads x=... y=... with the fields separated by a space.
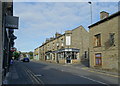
x=26 y=59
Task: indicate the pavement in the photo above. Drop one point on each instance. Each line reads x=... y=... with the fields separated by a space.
x=19 y=75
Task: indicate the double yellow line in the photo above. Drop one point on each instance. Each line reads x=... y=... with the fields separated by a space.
x=33 y=77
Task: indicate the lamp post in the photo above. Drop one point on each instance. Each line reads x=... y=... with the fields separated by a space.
x=91 y=23
x=90 y=10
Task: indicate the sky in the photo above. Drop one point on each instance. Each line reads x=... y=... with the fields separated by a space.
x=41 y=20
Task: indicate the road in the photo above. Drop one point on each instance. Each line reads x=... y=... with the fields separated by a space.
x=51 y=73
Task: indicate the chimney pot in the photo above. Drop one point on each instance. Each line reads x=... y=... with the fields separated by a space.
x=103 y=15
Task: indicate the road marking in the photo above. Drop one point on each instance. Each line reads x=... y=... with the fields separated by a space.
x=36 y=78
x=30 y=73
x=37 y=75
x=94 y=80
x=85 y=68
x=33 y=77
x=105 y=74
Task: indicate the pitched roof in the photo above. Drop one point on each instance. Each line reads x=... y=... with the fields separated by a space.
x=103 y=20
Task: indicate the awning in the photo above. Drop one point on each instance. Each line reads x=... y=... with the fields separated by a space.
x=67 y=50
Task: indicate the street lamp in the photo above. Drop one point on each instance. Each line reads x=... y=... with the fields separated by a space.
x=90 y=10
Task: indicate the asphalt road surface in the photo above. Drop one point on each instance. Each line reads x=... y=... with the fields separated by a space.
x=51 y=73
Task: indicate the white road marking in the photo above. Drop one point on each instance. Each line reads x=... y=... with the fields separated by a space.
x=38 y=75
x=94 y=80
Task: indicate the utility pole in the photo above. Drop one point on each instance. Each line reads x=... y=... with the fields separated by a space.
x=1 y=44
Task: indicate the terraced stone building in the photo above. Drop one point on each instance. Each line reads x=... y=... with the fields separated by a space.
x=70 y=47
x=104 y=39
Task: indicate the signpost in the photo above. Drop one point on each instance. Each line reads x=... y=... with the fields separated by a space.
x=13 y=49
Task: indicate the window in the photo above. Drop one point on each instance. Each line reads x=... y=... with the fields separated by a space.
x=98 y=59
x=53 y=45
x=97 y=40
x=112 y=41
x=85 y=54
x=68 y=40
x=74 y=55
x=62 y=40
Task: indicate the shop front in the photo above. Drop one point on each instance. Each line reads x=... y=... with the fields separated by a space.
x=67 y=55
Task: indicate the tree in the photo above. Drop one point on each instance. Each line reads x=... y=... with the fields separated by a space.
x=16 y=55
x=31 y=54
x=24 y=55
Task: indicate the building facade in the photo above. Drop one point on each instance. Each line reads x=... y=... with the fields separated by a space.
x=104 y=42
x=70 y=47
x=36 y=54
x=7 y=37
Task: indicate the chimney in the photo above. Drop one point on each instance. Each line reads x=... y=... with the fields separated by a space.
x=103 y=15
x=51 y=38
x=47 y=40
x=57 y=35
x=68 y=32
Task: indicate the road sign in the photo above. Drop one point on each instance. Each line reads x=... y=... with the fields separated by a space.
x=13 y=49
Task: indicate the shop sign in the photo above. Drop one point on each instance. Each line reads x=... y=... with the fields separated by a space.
x=11 y=22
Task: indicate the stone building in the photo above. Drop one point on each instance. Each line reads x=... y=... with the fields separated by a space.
x=70 y=47
x=7 y=37
x=36 y=54
x=105 y=42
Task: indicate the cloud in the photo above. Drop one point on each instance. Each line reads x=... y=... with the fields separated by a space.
x=62 y=0
x=39 y=21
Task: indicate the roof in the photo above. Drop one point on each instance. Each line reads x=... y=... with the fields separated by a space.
x=52 y=40
x=103 y=20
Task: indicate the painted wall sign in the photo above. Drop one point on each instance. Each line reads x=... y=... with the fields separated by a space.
x=68 y=40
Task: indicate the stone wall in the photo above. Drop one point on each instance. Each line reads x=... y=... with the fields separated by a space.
x=80 y=40
x=109 y=53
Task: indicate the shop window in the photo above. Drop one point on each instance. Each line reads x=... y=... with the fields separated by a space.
x=98 y=59
x=112 y=41
x=97 y=40
x=74 y=55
